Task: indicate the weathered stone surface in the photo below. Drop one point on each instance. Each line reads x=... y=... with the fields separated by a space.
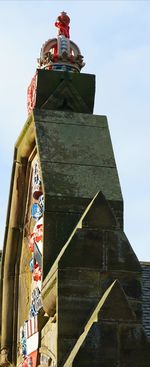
x=107 y=345
x=111 y=339
x=66 y=97
x=120 y=254
x=57 y=229
x=48 y=339
x=100 y=215
x=131 y=284
x=70 y=160
x=134 y=346
x=99 y=255
x=24 y=285
x=64 y=204
x=77 y=161
x=75 y=142
x=79 y=282
x=71 y=141
x=84 y=251
x=80 y=181
x=49 y=294
x=65 y=91
x=69 y=118
x=109 y=251
x=116 y=306
x=100 y=347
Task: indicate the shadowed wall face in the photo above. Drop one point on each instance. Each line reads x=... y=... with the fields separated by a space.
x=77 y=161
x=96 y=255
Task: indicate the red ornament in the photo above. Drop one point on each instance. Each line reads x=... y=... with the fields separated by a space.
x=36 y=194
x=31 y=242
x=25 y=363
x=39 y=232
x=35 y=236
x=62 y=23
x=31 y=94
x=37 y=273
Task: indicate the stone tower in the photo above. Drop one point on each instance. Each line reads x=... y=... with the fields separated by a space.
x=71 y=282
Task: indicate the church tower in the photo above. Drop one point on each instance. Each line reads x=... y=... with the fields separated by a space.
x=71 y=282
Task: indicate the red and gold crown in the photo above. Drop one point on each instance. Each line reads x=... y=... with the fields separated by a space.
x=61 y=54
x=57 y=54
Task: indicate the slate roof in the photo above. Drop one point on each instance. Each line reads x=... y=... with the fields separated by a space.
x=146 y=296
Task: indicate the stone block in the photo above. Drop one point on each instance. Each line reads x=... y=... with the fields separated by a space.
x=78 y=283
x=99 y=348
x=57 y=229
x=119 y=253
x=85 y=250
x=75 y=143
x=73 y=180
x=134 y=346
x=48 y=83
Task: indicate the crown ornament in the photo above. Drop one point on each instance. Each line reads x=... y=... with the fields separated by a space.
x=57 y=54
x=61 y=54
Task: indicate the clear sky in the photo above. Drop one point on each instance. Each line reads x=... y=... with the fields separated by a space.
x=114 y=37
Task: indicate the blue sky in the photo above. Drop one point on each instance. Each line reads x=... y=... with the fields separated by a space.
x=114 y=37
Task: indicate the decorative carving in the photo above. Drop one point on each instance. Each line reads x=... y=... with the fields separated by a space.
x=66 y=97
x=29 y=333
x=36 y=178
x=4 y=362
x=60 y=54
